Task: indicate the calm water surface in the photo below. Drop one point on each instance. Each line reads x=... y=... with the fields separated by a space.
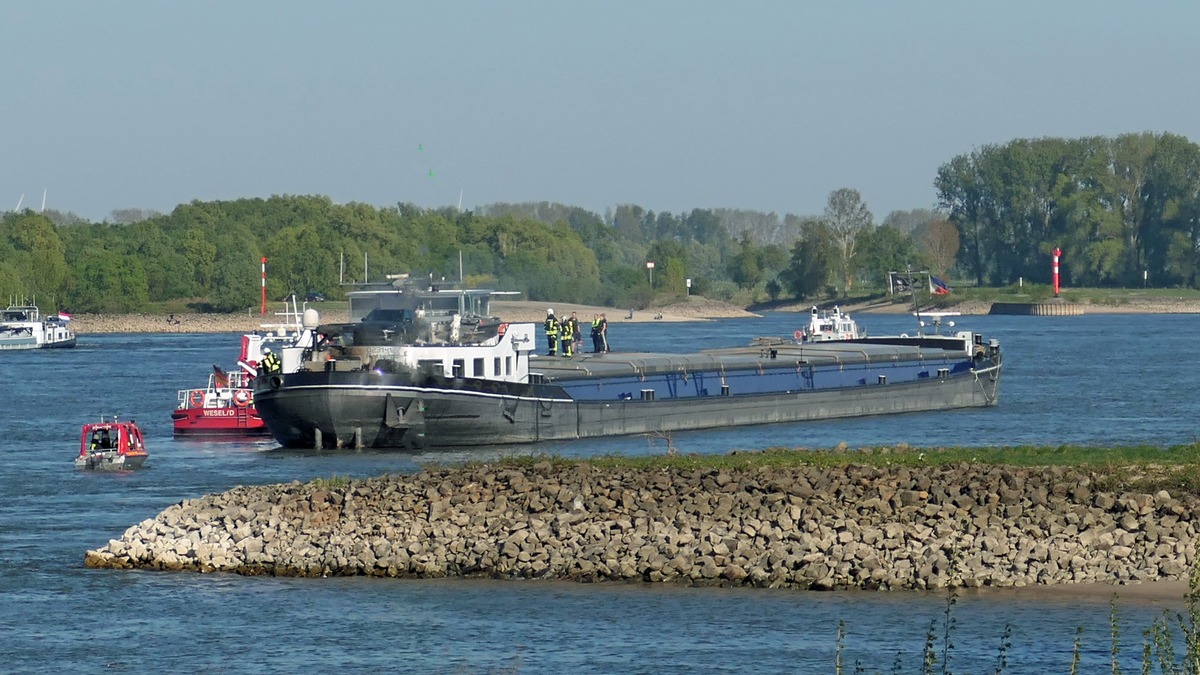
x=1094 y=379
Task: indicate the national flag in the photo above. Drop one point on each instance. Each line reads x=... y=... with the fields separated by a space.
x=220 y=378
x=937 y=286
x=63 y=316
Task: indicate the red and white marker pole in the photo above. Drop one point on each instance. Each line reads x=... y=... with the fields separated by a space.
x=263 y=311
x=1057 y=253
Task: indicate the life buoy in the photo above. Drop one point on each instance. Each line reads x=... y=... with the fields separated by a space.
x=799 y=335
x=501 y=329
x=196 y=398
x=242 y=398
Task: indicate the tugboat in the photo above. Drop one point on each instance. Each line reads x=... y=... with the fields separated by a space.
x=111 y=445
x=21 y=327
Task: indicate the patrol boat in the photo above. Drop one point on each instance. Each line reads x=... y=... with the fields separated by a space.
x=22 y=327
x=429 y=367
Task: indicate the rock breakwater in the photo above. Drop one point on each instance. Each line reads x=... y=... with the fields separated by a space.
x=805 y=527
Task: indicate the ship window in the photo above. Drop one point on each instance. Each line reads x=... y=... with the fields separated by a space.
x=508 y=365
x=477 y=368
x=496 y=367
x=458 y=368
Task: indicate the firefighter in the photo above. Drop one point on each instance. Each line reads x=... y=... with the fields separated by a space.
x=596 y=334
x=575 y=330
x=270 y=362
x=552 y=328
x=567 y=338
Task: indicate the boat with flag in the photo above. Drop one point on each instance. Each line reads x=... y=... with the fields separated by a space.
x=23 y=327
x=225 y=407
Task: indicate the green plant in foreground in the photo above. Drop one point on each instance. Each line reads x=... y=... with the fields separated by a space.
x=334 y=481
x=1076 y=650
x=1115 y=629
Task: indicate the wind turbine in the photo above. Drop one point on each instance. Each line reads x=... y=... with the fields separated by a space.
x=43 y=200
x=19 y=201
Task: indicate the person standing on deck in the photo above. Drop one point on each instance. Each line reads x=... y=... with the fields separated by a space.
x=595 y=333
x=603 y=333
x=567 y=338
x=577 y=345
x=552 y=332
x=270 y=362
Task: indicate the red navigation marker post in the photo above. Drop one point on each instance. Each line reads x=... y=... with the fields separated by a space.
x=263 y=311
x=1057 y=253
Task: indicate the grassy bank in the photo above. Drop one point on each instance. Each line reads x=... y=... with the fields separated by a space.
x=1133 y=468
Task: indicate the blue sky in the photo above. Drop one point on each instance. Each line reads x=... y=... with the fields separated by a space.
x=671 y=105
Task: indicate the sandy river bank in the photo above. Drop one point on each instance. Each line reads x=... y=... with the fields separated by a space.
x=692 y=309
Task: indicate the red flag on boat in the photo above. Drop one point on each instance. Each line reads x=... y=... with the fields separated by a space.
x=63 y=316
x=220 y=377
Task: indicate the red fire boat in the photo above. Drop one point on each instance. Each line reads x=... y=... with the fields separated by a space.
x=225 y=406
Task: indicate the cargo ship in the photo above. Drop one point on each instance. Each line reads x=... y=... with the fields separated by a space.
x=424 y=366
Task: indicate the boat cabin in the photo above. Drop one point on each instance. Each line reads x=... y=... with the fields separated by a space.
x=19 y=314
x=436 y=301
x=114 y=442
x=829 y=325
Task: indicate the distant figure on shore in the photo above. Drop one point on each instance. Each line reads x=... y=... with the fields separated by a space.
x=630 y=313
x=171 y=320
x=658 y=316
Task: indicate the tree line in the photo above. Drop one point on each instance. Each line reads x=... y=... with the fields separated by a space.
x=208 y=253
x=1115 y=206
x=1125 y=211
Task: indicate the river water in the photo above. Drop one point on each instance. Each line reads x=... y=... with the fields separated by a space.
x=1105 y=380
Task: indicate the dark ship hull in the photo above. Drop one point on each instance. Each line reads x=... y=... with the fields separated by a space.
x=615 y=394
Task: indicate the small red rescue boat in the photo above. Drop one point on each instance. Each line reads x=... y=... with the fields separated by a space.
x=111 y=445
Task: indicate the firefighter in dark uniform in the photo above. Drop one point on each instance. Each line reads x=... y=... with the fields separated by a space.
x=567 y=338
x=552 y=332
x=578 y=345
x=595 y=333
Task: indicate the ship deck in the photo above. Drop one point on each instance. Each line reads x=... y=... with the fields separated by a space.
x=764 y=353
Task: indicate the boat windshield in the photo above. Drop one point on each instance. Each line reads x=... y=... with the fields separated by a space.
x=388 y=315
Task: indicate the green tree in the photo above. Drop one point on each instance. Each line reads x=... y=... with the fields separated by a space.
x=36 y=254
x=882 y=250
x=813 y=259
x=847 y=216
x=298 y=262
x=108 y=282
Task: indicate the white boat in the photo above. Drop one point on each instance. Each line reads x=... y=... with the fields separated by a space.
x=22 y=327
x=827 y=325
